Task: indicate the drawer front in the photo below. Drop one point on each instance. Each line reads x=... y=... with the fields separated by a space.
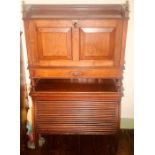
x=76 y=73
x=77 y=117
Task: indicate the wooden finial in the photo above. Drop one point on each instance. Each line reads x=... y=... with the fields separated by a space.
x=127 y=6
x=23 y=4
x=126 y=9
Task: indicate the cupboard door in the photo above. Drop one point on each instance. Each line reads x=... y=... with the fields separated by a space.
x=74 y=43
x=51 y=42
x=54 y=43
x=100 y=42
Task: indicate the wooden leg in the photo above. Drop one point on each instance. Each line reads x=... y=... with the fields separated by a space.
x=35 y=134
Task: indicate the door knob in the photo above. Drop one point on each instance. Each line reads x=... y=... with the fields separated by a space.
x=75 y=23
x=76 y=73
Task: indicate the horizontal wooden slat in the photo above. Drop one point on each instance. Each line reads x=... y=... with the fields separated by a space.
x=77 y=129
x=76 y=116
x=81 y=96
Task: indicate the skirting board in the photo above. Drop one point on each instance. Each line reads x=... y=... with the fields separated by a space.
x=127 y=123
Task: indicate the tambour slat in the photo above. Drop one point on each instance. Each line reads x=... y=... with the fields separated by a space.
x=76 y=117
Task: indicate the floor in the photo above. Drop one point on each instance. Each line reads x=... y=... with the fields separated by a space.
x=86 y=145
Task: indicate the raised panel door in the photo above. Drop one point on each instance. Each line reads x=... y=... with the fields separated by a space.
x=50 y=42
x=54 y=43
x=97 y=43
x=100 y=42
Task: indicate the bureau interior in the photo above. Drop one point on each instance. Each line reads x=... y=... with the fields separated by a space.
x=76 y=85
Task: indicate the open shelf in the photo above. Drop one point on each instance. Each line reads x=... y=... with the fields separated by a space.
x=76 y=85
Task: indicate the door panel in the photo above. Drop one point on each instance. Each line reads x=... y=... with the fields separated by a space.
x=100 y=41
x=97 y=43
x=54 y=43
x=51 y=41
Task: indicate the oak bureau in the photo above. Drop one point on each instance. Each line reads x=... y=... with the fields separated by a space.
x=76 y=62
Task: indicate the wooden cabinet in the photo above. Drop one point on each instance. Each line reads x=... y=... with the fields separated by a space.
x=76 y=60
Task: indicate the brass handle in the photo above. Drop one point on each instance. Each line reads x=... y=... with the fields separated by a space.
x=75 y=23
x=76 y=73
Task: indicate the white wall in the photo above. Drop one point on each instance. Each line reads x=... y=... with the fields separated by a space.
x=127 y=101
